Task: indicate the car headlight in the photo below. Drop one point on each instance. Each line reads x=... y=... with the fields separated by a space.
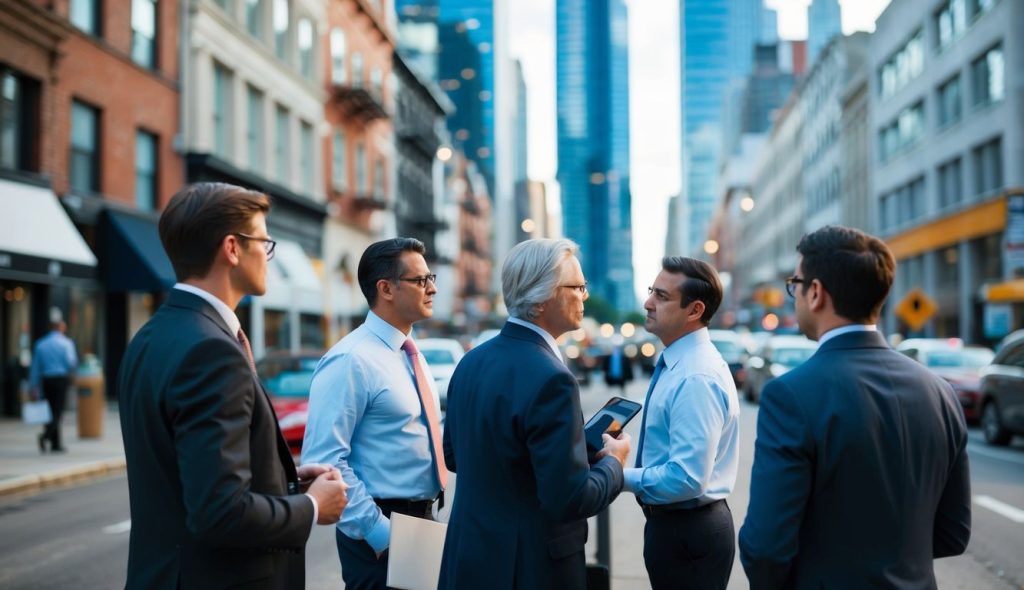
x=294 y=419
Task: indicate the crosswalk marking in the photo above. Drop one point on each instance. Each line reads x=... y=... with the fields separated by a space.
x=1003 y=509
x=117 y=529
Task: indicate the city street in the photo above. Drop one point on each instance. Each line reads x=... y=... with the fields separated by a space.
x=78 y=537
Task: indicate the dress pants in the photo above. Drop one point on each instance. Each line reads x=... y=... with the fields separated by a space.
x=690 y=548
x=55 y=391
x=361 y=569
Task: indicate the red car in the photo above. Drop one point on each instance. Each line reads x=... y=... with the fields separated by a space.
x=287 y=377
x=955 y=362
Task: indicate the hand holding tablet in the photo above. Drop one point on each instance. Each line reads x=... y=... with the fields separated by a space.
x=610 y=419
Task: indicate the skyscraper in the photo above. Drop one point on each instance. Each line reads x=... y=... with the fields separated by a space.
x=824 y=21
x=592 y=73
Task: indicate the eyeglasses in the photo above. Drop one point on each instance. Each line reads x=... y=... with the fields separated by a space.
x=791 y=284
x=581 y=288
x=268 y=244
x=421 y=282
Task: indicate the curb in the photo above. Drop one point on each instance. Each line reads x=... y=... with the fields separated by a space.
x=63 y=477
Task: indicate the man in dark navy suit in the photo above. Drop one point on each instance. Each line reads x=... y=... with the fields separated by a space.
x=860 y=474
x=514 y=437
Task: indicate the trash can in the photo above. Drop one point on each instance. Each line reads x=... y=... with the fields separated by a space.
x=91 y=401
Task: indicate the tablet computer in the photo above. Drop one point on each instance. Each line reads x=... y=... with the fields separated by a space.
x=611 y=419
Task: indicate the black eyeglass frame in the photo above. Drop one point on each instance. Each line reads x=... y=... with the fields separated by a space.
x=792 y=282
x=420 y=282
x=268 y=245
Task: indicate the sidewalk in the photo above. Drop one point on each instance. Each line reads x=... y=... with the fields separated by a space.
x=24 y=469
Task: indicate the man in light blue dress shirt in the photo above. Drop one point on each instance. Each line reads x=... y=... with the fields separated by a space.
x=53 y=362
x=687 y=455
x=366 y=416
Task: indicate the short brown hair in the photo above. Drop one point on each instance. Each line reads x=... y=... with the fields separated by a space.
x=382 y=260
x=199 y=216
x=701 y=284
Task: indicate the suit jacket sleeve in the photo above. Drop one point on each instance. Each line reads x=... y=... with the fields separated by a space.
x=779 y=488
x=952 y=528
x=211 y=401
x=568 y=487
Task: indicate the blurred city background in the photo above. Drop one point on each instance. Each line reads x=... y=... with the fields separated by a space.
x=718 y=129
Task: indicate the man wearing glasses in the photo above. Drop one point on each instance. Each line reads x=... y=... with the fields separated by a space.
x=374 y=411
x=687 y=457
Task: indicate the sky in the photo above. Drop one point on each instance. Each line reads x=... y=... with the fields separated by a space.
x=654 y=102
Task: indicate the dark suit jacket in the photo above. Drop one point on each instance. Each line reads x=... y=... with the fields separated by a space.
x=514 y=436
x=860 y=473
x=208 y=470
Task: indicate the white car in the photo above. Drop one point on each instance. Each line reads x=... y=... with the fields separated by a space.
x=442 y=356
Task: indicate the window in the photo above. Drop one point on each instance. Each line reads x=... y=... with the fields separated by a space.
x=144 y=33
x=377 y=83
x=904 y=65
x=980 y=7
x=146 y=148
x=378 y=178
x=903 y=133
x=18 y=105
x=903 y=205
x=226 y=5
x=987 y=72
x=85 y=153
x=949 y=102
x=948 y=271
x=950 y=179
x=307 y=161
x=222 y=80
x=361 y=180
x=85 y=14
x=255 y=136
x=254 y=18
x=281 y=16
x=282 y=144
x=951 y=20
x=339 y=177
x=337 y=56
x=305 y=35
x=357 y=70
x=988 y=167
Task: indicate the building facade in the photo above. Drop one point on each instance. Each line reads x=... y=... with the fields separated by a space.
x=824 y=21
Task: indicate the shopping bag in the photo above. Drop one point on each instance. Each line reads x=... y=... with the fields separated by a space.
x=36 y=412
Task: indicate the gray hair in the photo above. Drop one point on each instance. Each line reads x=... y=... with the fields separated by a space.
x=532 y=272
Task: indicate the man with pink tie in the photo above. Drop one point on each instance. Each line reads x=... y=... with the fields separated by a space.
x=373 y=411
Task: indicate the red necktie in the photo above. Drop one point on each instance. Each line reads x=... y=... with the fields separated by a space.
x=248 y=349
x=429 y=410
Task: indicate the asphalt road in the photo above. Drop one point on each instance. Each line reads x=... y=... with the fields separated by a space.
x=78 y=537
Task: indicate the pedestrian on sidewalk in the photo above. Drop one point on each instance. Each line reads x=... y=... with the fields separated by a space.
x=860 y=474
x=687 y=458
x=617 y=367
x=216 y=500
x=53 y=365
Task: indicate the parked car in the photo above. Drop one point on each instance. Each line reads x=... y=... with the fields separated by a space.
x=733 y=350
x=287 y=377
x=776 y=357
x=442 y=356
x=958 y=364
x=1002 y=393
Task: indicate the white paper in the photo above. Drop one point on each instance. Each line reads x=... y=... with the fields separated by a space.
x=414 y=556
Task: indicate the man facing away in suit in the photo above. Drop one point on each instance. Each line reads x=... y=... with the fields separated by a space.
x=514 y=435
x=215 y=497
x=860 y=474
x=688 y=452
x=374 y=411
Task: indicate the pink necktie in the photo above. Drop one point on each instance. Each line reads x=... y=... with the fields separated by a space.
x=248 y=349
x=429 y=410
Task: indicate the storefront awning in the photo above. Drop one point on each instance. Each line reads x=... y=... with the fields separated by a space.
x=133 y=257
x=38 y=242
x=1007 y=292
x=292 y=282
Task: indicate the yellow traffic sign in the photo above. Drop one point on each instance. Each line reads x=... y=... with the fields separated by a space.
x=916 y=309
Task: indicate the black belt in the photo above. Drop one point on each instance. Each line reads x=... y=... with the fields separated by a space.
x=410 y=507
x=694 y=505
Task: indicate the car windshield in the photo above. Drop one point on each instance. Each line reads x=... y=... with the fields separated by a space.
x=730 y=350
x=968 y=358
x=293 y=378
x=791 y=357
x=438 y=357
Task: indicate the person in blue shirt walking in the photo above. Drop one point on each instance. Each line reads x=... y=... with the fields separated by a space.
x=53 y=362
x=686 y=459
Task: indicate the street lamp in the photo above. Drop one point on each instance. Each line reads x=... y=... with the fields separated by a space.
x=711 y=246
x=747 y=203
x=444 y=153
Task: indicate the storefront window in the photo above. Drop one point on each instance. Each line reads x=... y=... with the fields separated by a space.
x=275 y=330
x=311 y=331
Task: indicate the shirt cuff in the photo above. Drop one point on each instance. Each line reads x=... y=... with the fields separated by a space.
x=631 y=477
x=316 y=513
x=379 y=536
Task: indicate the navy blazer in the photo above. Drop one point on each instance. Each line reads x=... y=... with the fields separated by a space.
x=514 y=436
x=860 y=474
x=208 y=470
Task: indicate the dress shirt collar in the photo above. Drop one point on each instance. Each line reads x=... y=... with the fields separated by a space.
x=222 y=308
x=676 y=351
x=846 y=330
x=543 y=333
x=387 y=333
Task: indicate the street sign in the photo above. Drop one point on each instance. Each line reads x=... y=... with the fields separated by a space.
x=916 y=309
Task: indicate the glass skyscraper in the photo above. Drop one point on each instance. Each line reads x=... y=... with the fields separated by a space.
x=824 y=21
x=592 y=80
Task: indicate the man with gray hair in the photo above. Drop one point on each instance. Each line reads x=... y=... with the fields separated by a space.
x=514 y=436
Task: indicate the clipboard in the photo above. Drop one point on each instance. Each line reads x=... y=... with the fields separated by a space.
x=414 y=554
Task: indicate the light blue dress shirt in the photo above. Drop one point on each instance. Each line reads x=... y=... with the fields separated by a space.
x=846 y=330
x=365 y=419
x=691 y=439
x=54 y=356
